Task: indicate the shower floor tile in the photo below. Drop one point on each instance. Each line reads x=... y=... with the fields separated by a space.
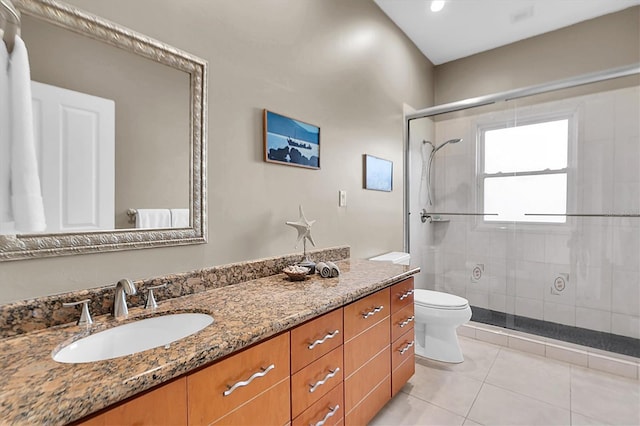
x=497 y=385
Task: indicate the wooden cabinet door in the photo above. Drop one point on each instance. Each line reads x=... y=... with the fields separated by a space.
x=315 y=338
x=402 y=321
x=165 y=405
x=401 y=294
x=211 y=390
x=312 y=382
x=365 y=313
x=369 y=407
x=329 y=408
x=358 y=351
x=270 y=408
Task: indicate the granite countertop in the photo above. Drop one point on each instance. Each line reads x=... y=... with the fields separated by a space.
x=34 y=389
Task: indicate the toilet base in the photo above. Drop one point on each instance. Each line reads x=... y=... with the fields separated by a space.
x=440 y=344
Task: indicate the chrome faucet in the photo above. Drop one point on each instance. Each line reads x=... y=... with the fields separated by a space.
x=124 y=287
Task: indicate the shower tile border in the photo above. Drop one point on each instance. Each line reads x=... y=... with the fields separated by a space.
x=583 y=356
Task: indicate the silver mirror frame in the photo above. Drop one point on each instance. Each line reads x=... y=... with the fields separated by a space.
x=17 y=247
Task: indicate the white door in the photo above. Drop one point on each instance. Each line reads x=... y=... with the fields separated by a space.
x=75 y=145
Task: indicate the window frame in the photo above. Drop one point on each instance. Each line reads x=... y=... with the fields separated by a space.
x=507 y=120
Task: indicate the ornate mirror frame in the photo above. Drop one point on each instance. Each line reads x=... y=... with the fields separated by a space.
x=16 y=247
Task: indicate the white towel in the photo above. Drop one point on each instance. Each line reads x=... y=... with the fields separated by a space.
x=6 y=217
x=179 y=218
x=26 y=198
x=153 y=218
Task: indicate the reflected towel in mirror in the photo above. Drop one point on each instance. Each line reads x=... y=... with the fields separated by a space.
x=179 y=218
x=19 y=178
x=153 y=218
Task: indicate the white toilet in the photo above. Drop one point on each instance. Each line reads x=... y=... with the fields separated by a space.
x=438 y=315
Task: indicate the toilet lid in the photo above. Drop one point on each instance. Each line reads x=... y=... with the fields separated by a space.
x=437 y=299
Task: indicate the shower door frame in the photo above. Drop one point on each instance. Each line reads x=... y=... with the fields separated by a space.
x=567 y=83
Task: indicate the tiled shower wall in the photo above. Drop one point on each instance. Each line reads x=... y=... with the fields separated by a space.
x=599 y=257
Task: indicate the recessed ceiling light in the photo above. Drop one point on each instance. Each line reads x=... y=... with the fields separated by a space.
x=437 y=5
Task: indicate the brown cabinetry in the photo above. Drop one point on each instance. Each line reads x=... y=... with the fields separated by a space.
x=402 y=334
x=317 y=370
x=367 y=384
x=164 y=405
x=339 y=368
x=249 y=387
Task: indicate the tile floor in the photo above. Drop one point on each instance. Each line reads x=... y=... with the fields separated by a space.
x=496 y=385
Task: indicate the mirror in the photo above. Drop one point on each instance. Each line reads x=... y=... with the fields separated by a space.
x=159 y=156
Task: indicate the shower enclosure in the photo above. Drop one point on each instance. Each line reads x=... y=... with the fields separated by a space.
x=535 y=218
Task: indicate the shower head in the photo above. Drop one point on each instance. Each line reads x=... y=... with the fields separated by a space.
x=447 y=142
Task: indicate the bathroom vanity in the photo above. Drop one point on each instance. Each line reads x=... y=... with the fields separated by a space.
x=322 y=349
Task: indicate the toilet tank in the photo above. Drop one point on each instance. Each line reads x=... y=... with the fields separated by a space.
x=397 y=257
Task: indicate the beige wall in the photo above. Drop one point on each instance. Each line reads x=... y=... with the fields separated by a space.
x=341 y=65
x=605 y=42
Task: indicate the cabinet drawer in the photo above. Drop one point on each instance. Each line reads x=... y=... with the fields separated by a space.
x=369 y=407
x=312 y=382
x=360 y=350
x=358 y=385
x=402 y=321
x=321 y=409
x=270 y=408
x=206 y=387
x=401 y=375
x=402 y=349
x=401 y=294
x=165 y=405
x=364 y=313
x=312 y=340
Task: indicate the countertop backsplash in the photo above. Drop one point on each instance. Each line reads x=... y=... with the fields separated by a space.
x=37 y=314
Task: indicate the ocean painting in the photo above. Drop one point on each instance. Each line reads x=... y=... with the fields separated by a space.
x=289 y=141
x=378 y=173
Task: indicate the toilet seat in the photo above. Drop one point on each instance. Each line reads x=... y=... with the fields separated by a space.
x=439 y=300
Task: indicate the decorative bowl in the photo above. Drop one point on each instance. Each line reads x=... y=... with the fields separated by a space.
x=296 y=273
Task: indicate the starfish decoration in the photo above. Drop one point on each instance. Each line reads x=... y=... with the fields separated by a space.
x=304 y=228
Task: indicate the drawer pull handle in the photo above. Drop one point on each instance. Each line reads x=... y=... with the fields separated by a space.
x=376 y=310
x=407 y=321
x=407 y=294
x=249 y=380
x=324 y=339
x=406 y=348
x=331 y=412
x=332 y=373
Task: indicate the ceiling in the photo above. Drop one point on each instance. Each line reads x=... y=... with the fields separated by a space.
x=465 y=27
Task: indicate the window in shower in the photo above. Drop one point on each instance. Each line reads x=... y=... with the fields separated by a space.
x=523 y=171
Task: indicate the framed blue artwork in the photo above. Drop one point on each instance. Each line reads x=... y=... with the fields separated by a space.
x=291 y=142
x=378 y=173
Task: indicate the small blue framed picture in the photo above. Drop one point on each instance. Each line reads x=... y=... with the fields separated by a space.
x=291 y=142
x=378 y=173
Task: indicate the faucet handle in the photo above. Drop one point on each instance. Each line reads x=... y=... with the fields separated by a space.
x=85 y=316
x=151 y=300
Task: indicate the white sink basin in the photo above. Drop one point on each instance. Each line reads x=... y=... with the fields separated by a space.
x=133 y=337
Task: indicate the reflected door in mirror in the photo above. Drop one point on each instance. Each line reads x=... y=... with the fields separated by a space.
x=75 y=142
